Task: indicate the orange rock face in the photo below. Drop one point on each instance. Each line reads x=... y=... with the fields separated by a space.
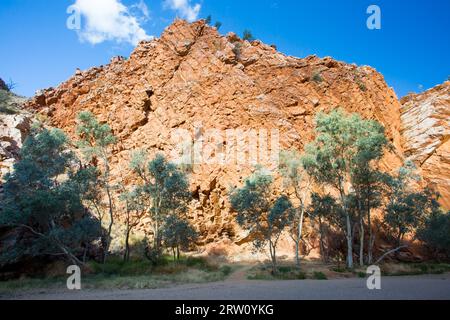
x=194 y=77
x=426 y=131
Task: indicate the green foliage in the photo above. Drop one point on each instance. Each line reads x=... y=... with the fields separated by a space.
x=435 y=232
x=252 y=202
x=283 y=273
x=178 y=233
x=296 y=178
x=280 y=216
x=343 y=144
x=318 y=275
x=362 y=86
x=208 y=19
x=323 y=207
x=44 y=203
x=218 y=25
x=344 y=149
x=95 y=143
x=259 y=215
x=407 y=209
x=291 y=168
x=163 y=194
x=317 y=77
x=247 y=36
x=95 y=138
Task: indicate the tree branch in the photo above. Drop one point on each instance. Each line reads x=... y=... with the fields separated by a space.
x=389 y=252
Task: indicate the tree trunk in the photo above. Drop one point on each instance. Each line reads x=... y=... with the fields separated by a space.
x=349 y=235
x=111 y=210
x=300 y=231
x=389 y=252
x=349 y=243
x=361 y=242
x=322 y=245
x=371 y=239
x=273 y=257
x=178 y=253
x=126 y=256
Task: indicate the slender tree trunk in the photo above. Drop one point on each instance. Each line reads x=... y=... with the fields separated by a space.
x=297 y=255
x=322 y=245
x=111 y=211
x=361 y=241
x=126 y=256
x=371 y=239
x=178 y=253
x=274 y=260
x=349 y=243
x=349 y=234
x=85 y=253
x=299 y=236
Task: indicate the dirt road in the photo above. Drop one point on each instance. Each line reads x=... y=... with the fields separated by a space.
x=406 y=287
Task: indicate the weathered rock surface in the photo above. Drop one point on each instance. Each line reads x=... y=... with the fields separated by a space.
x=193 y=75
x=426 y=132
x=14 y=128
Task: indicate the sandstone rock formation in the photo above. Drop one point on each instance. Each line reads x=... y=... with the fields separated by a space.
x=194 y=77
x=426 y=133
x=14 y=127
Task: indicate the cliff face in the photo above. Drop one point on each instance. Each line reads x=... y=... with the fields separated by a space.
x=14 y=127
x=426 y=131
x=194 y=77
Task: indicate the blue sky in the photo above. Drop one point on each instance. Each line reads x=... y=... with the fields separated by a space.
x=412 y=49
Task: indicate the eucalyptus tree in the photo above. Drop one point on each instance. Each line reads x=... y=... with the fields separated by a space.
x=407 y=208
x=178 y=233
x=260 y=215
x=96 y=141
x=323 y=209
x=296 y=177
x=44 y=203
x=164 y=191
x=343 y=143
x=135 y=211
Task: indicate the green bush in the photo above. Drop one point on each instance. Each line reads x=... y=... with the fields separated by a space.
x=226 y=270
x=317 y=77
x=318 y=275
x=435 y=233
x=248 y=36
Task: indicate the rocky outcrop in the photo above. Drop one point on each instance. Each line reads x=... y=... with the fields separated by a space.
x=193 y=78
x=426 y=132
x=14 y=127
x=3 y=85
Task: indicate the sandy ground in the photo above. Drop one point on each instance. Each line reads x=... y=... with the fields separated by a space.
x=422 y=287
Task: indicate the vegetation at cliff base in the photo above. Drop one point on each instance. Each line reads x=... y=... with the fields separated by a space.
x=62 y=203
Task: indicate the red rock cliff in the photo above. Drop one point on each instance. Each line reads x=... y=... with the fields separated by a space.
x=192 y=75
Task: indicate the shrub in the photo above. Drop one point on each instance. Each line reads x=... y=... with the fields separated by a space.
x=317 y=77
x=237 y=50
x=362 y=86
x=247 y=36
x=318 y=275
x=435 y=233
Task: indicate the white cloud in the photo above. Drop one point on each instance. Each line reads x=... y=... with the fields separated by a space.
x=142 y=8
x=110 y=20
x=184 y=9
